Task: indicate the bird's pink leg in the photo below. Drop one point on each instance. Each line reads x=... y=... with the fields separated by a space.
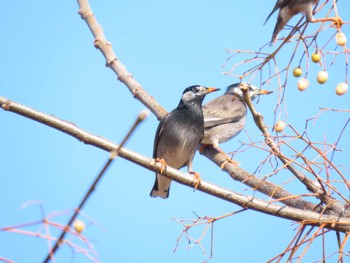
x=162 y=162
x=197 y=178
x=228 y=159
x=337 y=21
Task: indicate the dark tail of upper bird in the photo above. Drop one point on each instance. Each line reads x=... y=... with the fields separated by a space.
x=268 y=17
x=273 y=11
x=278 y=27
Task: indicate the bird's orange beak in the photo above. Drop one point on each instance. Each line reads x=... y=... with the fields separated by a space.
x=210 y=89
x=264 y=91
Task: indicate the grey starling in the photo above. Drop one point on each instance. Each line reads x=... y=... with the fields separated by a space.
x=178 y=136
x=290 y=8
x=225 y=116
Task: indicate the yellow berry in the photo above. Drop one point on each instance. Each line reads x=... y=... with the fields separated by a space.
x=297 y=72
x=279 y=126
x=79 y=225
x=322 y=76
x=341 y=39
x=342 y=88
x=315 y=57
x=303 y=84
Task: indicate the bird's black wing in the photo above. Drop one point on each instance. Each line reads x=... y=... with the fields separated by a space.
x=158 y=135
x=223 y=110
x=279 y=4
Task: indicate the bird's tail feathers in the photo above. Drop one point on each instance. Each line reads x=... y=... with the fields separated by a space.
x=268 y=18
x=278 y=27
x=156 y=193
x=161 y=187
x=273 y=11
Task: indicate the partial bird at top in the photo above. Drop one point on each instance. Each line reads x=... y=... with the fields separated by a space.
x=289 y=8
x=225 y=116
x=178 y=136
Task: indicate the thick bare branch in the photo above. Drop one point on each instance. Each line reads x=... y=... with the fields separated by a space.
x=302 y=216
x=263 y=186
x=114 y=63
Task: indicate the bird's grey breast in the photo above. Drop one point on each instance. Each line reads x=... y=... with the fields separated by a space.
x=179 y=143
x=298 y=6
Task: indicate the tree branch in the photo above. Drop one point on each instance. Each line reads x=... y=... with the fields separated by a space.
x=249 y=202
x=261 y=185
x=114 y=154
x=330 y=202
x=113 y=62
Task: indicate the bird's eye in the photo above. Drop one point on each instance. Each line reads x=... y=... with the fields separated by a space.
x=252 y=89
x=197 y=89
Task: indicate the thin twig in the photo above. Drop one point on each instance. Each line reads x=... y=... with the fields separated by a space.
x=321 y=194
x=114 y=154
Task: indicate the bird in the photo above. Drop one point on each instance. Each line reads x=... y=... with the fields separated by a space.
x=290 y=8
x=225 y=116
x=178 y=136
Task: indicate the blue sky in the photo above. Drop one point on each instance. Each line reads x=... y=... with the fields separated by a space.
x=49 y=63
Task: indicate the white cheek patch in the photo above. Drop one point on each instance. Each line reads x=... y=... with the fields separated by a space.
x=238 y=91
x=188 y=96
x=253 y=92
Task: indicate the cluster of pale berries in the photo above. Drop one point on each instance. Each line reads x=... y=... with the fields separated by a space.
x=322 y=76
